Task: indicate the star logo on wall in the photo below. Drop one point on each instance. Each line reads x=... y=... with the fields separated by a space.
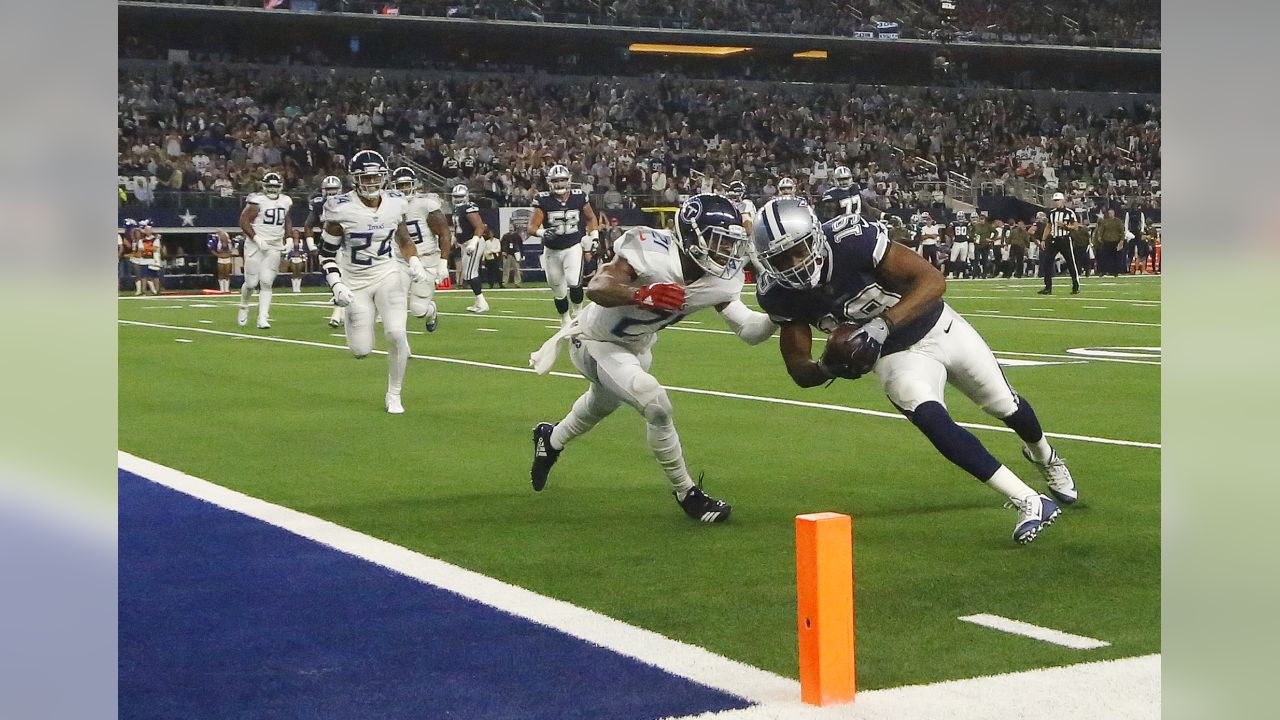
x=188 y=220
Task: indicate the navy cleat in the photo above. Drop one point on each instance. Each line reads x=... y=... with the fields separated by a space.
x=702 y=507
x=1034 y=515
x=544 y=456
x=1056 y=474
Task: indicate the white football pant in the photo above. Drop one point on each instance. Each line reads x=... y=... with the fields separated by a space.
x=563 y=269
x=388 y=298
x=260 y=268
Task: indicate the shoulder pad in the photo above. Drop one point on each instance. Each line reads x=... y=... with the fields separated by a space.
x=339 y=199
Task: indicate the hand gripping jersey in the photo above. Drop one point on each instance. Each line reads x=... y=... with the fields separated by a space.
x=564 y=220
x=655 y=256
x=415 y=220
x=462 y=227
x=852 y=293
x=268 y=226
x=368 y=234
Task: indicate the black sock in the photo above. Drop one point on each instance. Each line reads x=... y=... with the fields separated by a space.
x=475 y=286
x=575 y=295
x=562 y=305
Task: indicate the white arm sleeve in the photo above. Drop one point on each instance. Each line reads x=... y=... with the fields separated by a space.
x=753 y=327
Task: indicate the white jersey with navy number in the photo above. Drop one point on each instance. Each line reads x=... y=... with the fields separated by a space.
x=655 y=257
x=417 y=209
x=746 y=209
x=268 y=226
x=368 y=234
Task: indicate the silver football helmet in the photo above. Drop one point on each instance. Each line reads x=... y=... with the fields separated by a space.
x=558 y=179
x=460 y=194
x=843 y=177
x=331 y=186
x=787 y=187
x=790 y=244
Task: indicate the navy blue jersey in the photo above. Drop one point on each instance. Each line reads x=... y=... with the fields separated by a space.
x=852 y=292
x=316 y=204
x=463 y=230
x=850 y=200
x=564 y=220
x=960 y=232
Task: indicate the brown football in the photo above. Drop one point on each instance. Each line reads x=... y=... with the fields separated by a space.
x=841 y=345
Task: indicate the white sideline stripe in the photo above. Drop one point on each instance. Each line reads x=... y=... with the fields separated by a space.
x=1049 y=635
x=677 y=658
x=1040 y=299
x=1124 y=689
x=673 y=388
x=1066 y=320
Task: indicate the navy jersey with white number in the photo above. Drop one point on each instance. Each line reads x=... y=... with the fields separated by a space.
x=463 y=230
x=852 y=293
x=850 y=201
x=960 y=231
x=316 y=205
x=564 y=220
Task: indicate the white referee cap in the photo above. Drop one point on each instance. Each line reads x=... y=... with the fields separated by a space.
x=1059 y=196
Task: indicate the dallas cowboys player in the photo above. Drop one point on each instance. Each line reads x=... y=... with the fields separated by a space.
x=430 y=232
x=565 y=222
x=656 y=279
x=265 y=221
x=368 y=279
x=329 y=187
x=842 y=198
x=847 y=271
x=471 y=230
x=786 y=188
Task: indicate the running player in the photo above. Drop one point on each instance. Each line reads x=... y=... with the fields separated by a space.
x=565 y=222
x=430 y=232
x=265 y=221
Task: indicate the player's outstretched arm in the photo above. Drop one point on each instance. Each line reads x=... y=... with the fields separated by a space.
x=796 y=343
x=441 y=229
x=611 y=286
x=752 y=327
x=921 y=283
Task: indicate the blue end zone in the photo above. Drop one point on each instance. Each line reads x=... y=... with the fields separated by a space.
x=224 y=616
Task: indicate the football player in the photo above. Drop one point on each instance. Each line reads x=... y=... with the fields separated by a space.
x=430 y=232
x=265 y=221
x=369 y=279
x=330 y=186
x=786 y=187
x=222 y=248
x=470 y=230
x=655 y=279
x=842 y=198
x=848 y=272
x=961 y=247
x=737 y=192
x=566 y=224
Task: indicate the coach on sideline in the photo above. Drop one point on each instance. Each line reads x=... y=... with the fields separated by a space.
x=1055 y=241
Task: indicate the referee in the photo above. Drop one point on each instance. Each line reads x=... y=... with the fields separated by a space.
x=1055 y=241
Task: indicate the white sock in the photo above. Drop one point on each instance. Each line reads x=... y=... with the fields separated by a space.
x=297 y=284
x=584 y=415
x=337 y=313
x=246 y=292
x=665 y=444
x=1009 y=485
x=397 y=360
x=264 y=303
x=137 y=286
x=1040 y=450
x=574 y=308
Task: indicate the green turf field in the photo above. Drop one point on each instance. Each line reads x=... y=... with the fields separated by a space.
x=303 y=425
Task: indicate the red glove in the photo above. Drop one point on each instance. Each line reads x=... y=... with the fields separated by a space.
x=660 y=296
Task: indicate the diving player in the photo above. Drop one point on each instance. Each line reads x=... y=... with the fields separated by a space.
x=655 y=280
x=565 y=222
x=430 y=232
x=470 y=230
x=368 y=279
x=330 y=186
x=847 y=271
x=265 y=221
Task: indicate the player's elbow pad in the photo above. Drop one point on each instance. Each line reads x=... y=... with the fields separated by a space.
x=753 y=327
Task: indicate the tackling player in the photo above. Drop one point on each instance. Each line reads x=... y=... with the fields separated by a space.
x=368 y=279
x=429 y=229
x=265 y=221
x=848 y=272
x=470 y=230
x=656 y=279
x=565 y=222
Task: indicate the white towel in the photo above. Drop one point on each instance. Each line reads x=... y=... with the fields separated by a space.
x=545 y=357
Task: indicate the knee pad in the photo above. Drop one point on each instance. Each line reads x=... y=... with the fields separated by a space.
x=653 y=400
x=575 y=295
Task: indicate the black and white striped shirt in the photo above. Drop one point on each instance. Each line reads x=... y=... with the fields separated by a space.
x=1059 y=221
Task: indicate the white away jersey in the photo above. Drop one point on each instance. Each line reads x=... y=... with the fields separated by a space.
x=747 y=209
x=268 y=226
x=415 y=220
x=655 y=256
x=368 y=234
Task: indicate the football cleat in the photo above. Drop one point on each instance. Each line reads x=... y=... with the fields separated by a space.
x=264 y=323
x=1034 y=515
x=544 y=456
x=393 y=404
x=333 y=322
x=1075 y=291
x=1055 y=473
x=1045 y=291
x=433 y=322
x=242 y=317
x=702 y=507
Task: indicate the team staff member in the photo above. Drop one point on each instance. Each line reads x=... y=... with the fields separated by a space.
x=1055 y=240
x=1018 y=242
x=1110 y=235
x=512 y=253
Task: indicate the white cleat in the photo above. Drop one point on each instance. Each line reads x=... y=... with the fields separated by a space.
x=264 y=323
x=393 y=404
x=1056 y=474
x=242 y=317
x=334 y=322
x=474 y=309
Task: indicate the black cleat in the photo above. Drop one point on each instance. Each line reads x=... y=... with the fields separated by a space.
x=704 y=508
x=1045 y=291
x=1075 y=291
x=544 y=456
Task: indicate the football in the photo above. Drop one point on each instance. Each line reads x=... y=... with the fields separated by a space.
x=843 y=343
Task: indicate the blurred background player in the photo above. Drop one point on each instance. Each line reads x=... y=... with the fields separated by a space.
x=844 y=192
x=368 y=279
x=265 y=221
x=656 y=279
x=566 y=224
x=846 y=272
x=297 y=250
x=223 y=250
x=961 y=248
x=329 y=186
x=469 y=230
x=424 y=218
x=786 y=187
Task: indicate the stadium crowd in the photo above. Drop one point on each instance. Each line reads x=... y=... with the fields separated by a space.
x=629 y=141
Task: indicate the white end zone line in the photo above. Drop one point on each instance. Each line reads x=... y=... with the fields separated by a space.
x=681 y=659
x=1049 y=635
x=672 y=388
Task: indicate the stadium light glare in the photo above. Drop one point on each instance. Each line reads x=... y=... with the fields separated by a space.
x=811 y=55
x=664 y=49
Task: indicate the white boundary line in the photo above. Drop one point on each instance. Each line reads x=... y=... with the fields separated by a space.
x=673 y=388
x=1049 y=635
x=671 y=656
x=1065 y=320
x=1038 y=298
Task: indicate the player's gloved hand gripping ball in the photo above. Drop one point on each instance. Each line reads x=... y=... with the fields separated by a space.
x=660 y=296
x=852 y=350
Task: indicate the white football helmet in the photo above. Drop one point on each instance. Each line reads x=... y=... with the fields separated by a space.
x=786 y=187
x=558 y=179
x=330 y=186
x=843 y=177
x=459 y=194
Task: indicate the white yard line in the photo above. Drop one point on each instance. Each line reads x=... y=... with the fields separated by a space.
x=1066 y=320
x=1038 y=298
x=681 y=659
x=1049 y=635
x=673 y=388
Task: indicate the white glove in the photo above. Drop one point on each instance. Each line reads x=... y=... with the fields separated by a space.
x=416 y=272
x=342 y=295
